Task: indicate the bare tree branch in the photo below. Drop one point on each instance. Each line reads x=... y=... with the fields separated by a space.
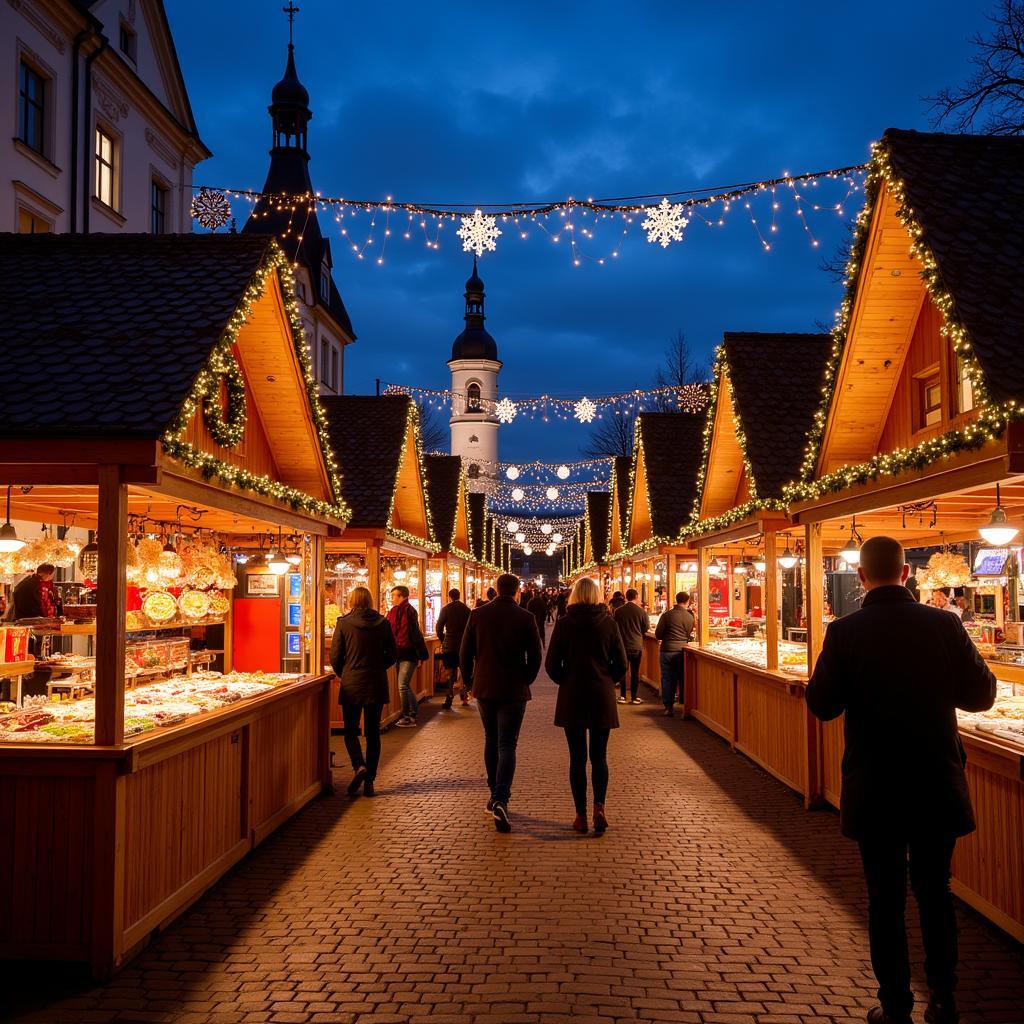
x=433 y=429
x=992 y=98
x=611 y=435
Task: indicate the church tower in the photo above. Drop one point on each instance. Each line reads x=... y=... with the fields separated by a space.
x=475 y=367
x=295 y=224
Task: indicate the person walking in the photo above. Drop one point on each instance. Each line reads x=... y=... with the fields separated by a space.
x=634 y=624
x=451 y=624
x=412 y=648
x=616 y=601
x=675 y=631
x=561 y=603
x=585 y=658
x=898 y=670
x=500 y=657
x=538 y=608
x=362 y=650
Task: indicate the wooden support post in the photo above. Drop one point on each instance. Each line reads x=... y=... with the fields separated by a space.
x=671 y=561
x=814 y=604
x=112 y=537
x=771 y=599
x=703 y=596
x=373 y=575
x=317 y=599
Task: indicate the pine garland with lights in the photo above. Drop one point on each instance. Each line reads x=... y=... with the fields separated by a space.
x=212 y=467
x=428 y=543
x=227 y=431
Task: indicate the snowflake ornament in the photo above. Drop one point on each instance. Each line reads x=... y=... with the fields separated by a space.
x=664 y=223
x=210 y=209
x=506 y=412
x=479 y=233
x=585 y=410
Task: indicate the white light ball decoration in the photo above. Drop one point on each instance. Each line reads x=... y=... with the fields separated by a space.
x=520 y=537
x=552 y=493
x=550 y=550
x=546 y=528
x=512 y=472
x=557 y=538
x=518 y=494
x=527 y=550
x=512 y=526
x=562 y=472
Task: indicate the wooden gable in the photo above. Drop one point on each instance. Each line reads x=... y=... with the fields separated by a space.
x=281 y=440
x=460 y=538
x=588 y=545
x=409 y=508
x=724 y=475
x=640 y=528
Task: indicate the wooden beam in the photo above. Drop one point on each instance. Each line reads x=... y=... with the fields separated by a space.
x=814 y=592
x=112 y=537
x=316 y=613
x=65 y=450
x=703 y=596
x=771 y=599
x=756 y=523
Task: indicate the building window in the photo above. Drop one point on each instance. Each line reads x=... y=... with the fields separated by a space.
x=473 y=397
x=325 y=362
x=106 y=168
x=929 y=400
x=128 y=42
x=32 y=108
x=157 y=208
x=336 y=370
x=964 y=386
x=325 y=284
x=30 y=223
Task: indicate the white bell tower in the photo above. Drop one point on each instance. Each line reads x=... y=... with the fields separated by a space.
x=475 y=367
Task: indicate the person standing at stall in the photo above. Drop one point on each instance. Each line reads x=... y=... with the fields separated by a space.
x=500 y=658
x=634 y=624
x=451 y=624
x=675 y=631
x=35 y=597
x=899 y=670
x=412 y=649
x=538 y=608
x=362 y=651
x=585 y=658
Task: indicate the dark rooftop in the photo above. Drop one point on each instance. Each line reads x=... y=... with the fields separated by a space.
x=673 y=445
x=443 y=475
x=598 y=509
x=477 y=502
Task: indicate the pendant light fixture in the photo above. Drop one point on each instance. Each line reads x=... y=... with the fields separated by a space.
x=851 y=552
x=787 y=559
x=760 y=564
x=9 y=540
x=277 y=563
x=742 y=567
x=997 y=531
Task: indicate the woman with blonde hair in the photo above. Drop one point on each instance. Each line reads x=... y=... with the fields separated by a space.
x=362 y=651
x=585 y=658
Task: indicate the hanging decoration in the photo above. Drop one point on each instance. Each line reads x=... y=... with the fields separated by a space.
x=479 y=233
x=944 y=570
x=585 y=410
x=665 y=223
x=210 y=208
x=227 y=431
x=506 y=410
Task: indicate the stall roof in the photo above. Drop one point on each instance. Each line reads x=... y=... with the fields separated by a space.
x=776 y=382
x=447 y=497
x=104 y=334
x=477 y=523
x=598 y=518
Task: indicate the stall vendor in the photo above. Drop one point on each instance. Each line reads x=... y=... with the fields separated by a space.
x=35 y=597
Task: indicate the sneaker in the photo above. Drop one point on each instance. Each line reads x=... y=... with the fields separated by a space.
x=490 y=807
x=941 y=1009
x=501 y=822
x=637 y=700
x=406 y=723
x=368 y=788
x=622 y=700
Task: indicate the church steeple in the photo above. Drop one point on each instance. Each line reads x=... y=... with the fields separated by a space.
x=289 y=101
x=474 y=342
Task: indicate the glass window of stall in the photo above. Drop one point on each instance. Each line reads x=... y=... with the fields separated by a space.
x=343 y=573
x=433 y=594
x=399 y=570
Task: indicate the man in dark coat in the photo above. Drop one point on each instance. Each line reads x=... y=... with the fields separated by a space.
x=451 y=624
x=35 y=597
x=538 y=608
x=899 y=670
x=500 y=658
x=634 y=624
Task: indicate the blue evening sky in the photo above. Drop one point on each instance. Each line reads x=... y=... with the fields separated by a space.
x=483 y=102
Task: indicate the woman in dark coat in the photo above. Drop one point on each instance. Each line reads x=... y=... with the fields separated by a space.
x=585 y=658
x=362 y=651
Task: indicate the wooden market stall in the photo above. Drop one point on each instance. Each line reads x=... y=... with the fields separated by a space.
x=159 y=386
x=482 y=573
x=618 y=511
x=448 y=498
x=597 y=524
x=390 y=539
x=919 y=435
x=765 y=393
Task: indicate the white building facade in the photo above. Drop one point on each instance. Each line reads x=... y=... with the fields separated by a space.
x=475 y=367
x=102 y=136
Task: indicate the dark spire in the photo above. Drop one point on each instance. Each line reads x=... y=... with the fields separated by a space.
x=474 y=342
x=289 y=100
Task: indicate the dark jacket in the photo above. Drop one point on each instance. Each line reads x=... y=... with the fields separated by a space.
x=899 y=670
x=538 y=608
x=586 y=657
x=416 y=648
x=501 y=651
x=675 y=628
x=633 y=623
x=451 y=624
x=27 y=599
x=362 y=651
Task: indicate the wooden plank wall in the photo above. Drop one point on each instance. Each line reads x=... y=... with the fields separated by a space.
x=768 y=727
x=714 y=695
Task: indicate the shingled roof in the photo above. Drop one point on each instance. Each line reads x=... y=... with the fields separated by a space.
x=967 y=194
x=776 y=390
x=477 y=523
x=367 y=432
x=103 y=335
x=598 y=505
x=444 y=473
x=673 y=446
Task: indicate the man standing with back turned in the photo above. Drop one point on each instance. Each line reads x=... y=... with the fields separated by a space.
x=634 y=624
x=500 y=658
x=899 y=670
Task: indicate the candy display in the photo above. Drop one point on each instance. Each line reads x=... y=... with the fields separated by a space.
x=159 y=606
x=194 y=604
x=753 y=652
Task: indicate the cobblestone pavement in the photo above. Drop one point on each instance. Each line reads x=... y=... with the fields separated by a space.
x=714 y=898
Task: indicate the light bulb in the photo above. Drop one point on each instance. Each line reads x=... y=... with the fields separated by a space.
x=512 y=526
x=997 y=531
x=520 y=537
x=552 y=493
x=277 y=563
x=562 y=472
x=557 y=538
x=546 y=528
x=851 y=553
x=527 y=550
x=512 y=472
x=518 y=494
x=787 y=559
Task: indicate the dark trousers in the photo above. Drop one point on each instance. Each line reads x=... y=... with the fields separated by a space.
x=502 y=720
x=885 y=871
x=633 y=658
x=370 y=713
x=671 y=677
x=577 y=740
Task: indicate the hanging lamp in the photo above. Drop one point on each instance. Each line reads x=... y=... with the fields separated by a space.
x=997 y=531
x=9 y=540
x=787 y=559
x=851 y=552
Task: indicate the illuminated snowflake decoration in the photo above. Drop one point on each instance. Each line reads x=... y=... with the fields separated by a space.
x=506 y=410
x=585 y=410
x=664 y=223
x=210 y=209
x=479 y=233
